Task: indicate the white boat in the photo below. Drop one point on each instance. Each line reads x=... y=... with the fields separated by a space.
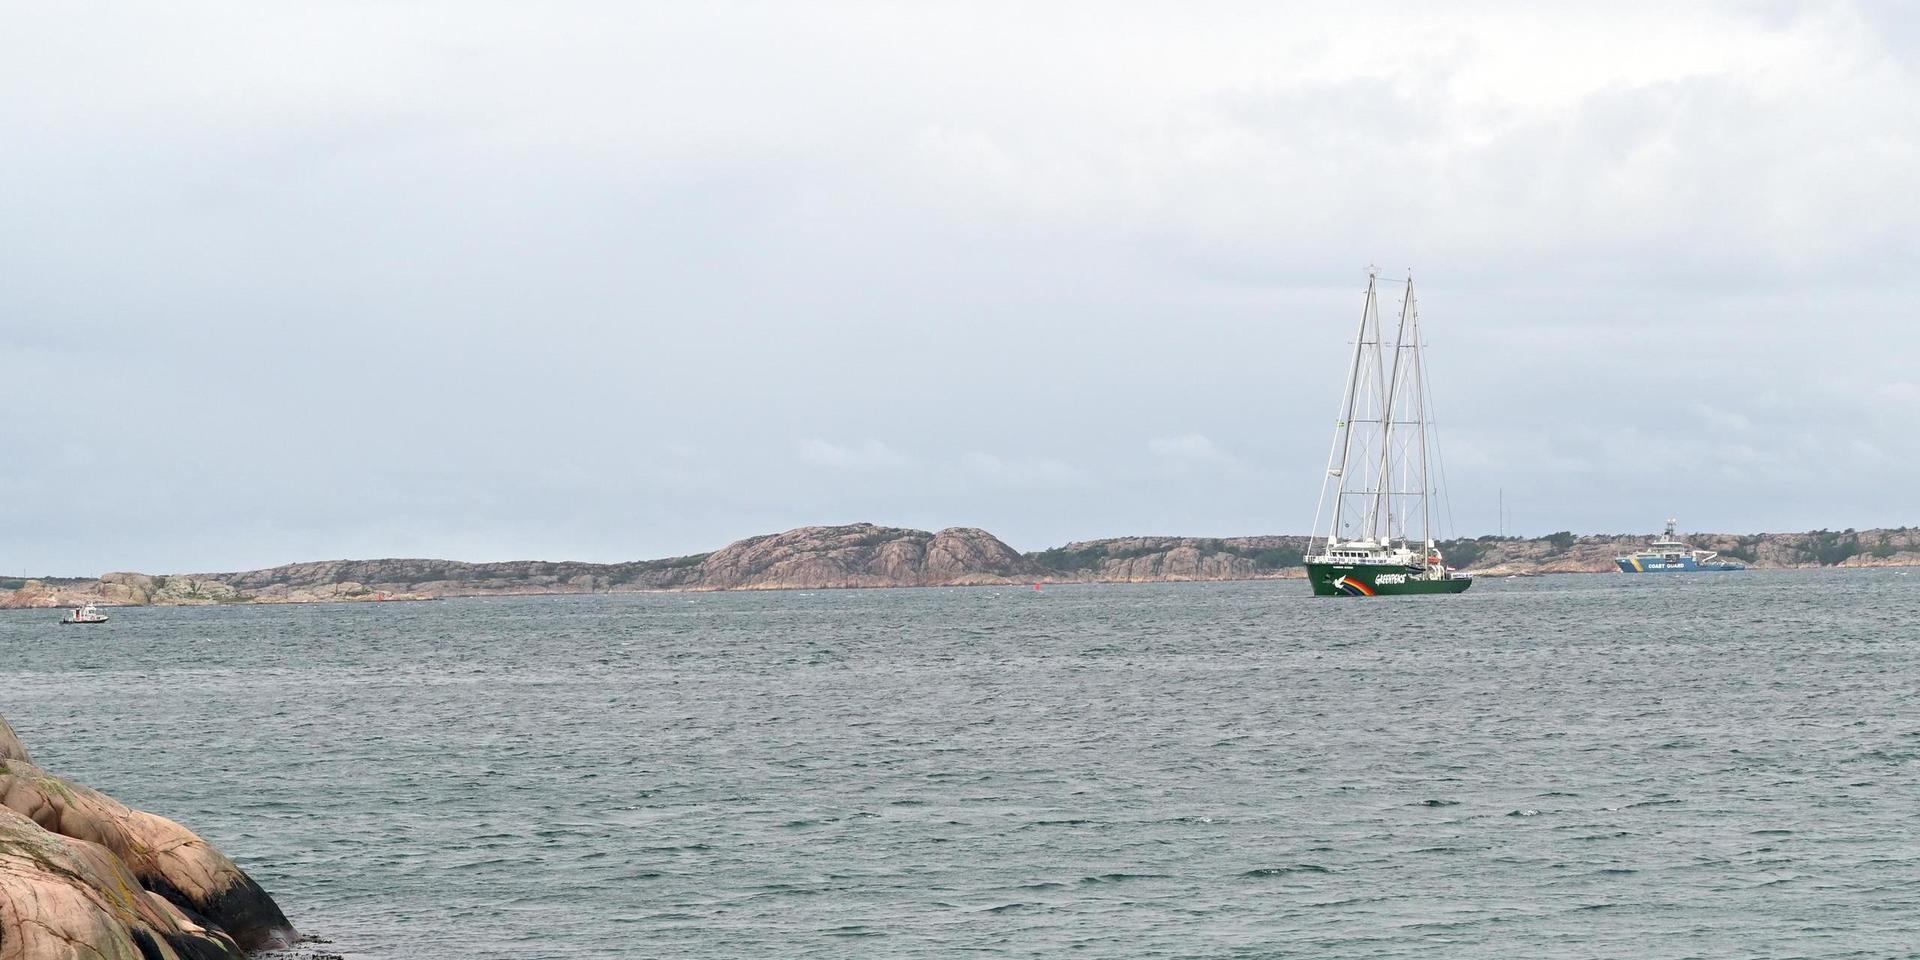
x=86 y=614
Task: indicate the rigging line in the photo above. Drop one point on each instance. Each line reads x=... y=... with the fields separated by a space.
x=1440 y=459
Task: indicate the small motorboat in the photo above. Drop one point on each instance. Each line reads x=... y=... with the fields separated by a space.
x=86 y=614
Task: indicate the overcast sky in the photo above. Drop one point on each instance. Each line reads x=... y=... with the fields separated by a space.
x=285 y=282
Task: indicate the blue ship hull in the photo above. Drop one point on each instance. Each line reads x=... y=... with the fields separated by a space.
x=1658 y=563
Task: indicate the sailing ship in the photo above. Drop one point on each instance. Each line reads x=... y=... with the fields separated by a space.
x=1669 y=555
x=1379 y=537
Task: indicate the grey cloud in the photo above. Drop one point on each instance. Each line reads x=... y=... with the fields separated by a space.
x=610 y=281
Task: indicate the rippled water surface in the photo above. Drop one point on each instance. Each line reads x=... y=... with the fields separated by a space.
x=1582 y=766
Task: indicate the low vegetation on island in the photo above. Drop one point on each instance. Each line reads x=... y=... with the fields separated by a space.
x=1566 y=552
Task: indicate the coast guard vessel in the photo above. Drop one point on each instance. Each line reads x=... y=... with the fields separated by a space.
x=1669 y=555
x=1377 y=472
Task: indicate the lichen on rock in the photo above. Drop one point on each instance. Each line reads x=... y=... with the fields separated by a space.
x=85 y=876
x=10 y=746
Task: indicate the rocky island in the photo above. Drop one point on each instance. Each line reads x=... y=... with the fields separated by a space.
x=85 y=877
x=866 y=555
x=1566 y=552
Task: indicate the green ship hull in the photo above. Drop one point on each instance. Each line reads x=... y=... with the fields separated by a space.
x=1372 y=580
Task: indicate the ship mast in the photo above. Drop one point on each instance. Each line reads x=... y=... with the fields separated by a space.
x=1343 y=440
x=1412 y=315
x=1406 y=385
x=1381 y=520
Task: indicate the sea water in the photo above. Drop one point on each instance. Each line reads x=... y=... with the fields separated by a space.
x=1576 y=766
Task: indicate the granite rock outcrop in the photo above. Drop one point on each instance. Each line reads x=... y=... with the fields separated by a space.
x=863 y=555
x=85 y=877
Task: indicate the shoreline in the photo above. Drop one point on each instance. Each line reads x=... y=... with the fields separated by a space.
x=795 y=588
x=867 y=556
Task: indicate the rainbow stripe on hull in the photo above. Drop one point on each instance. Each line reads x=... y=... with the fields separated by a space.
x=1354 y=587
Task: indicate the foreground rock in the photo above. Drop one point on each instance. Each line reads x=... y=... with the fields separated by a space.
x=10 y=746
x=85 y=876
